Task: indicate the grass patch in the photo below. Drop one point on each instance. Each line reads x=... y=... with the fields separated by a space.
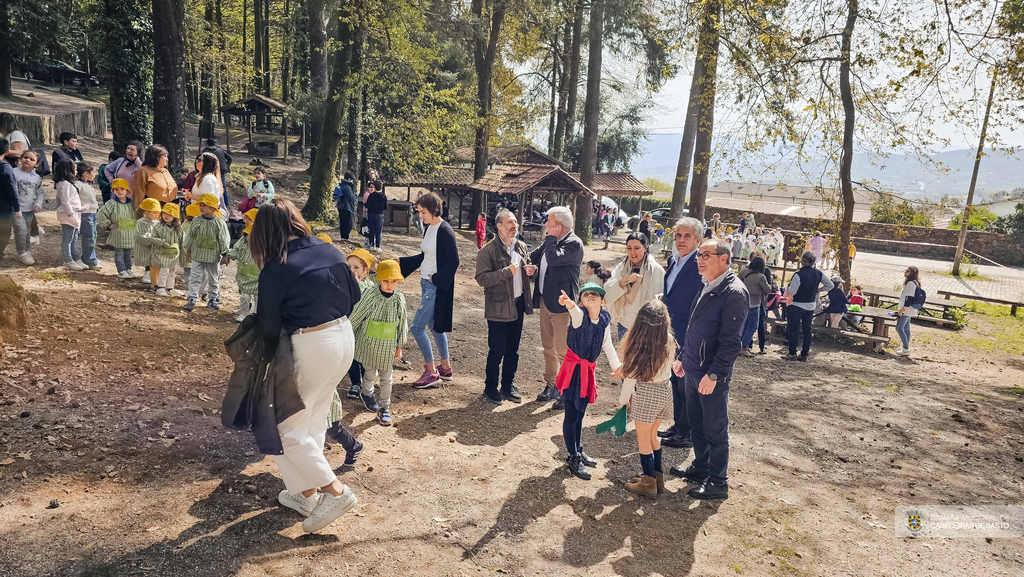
x=1016 y=390
x=964 y=273
x=991 y=310
x=864 y=383
x=892 y=388
x=736 y=567
x=55 y=276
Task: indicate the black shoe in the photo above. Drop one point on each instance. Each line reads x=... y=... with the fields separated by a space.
x=708 y=490
x=789 y=357
x=559 y=404
x=677 y=442
x=576 y=467
x=802 y=358
x=689 y=473
x=545 y=395
x=493 y=397
x=669 y=432
x=352 y=455
x=355 y=392
x=587 y=459
x=511 y=394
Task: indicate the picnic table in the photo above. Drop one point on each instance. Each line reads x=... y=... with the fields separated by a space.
x=934 y=310
x=881 y=319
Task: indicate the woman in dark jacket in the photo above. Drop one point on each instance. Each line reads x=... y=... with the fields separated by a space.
x=306 y=294
x=438 y=262
x=376 y=204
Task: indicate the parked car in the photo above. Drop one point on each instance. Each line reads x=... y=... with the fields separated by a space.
x=57 y=72
x=659 y=215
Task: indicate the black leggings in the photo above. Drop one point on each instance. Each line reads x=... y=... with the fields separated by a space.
x=572 y=427
x=355 y=374
x=761 y=326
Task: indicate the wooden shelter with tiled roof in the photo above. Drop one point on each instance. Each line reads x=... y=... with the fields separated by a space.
x=617 y=184
x=528 y=180
x=515 y=153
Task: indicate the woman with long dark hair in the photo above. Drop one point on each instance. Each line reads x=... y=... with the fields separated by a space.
x=207 y=180
x=755 y=279
x=152 y=179
x=911 y=282
x=635 y=281
x=306 y=292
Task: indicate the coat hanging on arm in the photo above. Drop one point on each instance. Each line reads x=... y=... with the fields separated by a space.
x=443 y=279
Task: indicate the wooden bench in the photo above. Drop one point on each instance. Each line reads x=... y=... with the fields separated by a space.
x=1013 y=304
x=610 y=241
x=877 y=341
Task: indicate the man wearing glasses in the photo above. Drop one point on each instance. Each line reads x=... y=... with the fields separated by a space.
x=707 y=356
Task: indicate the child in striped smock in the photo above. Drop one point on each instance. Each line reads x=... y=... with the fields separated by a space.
x=361 y=262
x=118 y=214
x=378 y=322
x=164 y=237
x=144 y=249
x=247 y=275
x=207 y=238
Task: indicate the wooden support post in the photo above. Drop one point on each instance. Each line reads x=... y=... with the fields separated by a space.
x=227 y=133
x=284 y=131
x=302 y=152
x=408 y=194
x=522 y=203
x=460 y=210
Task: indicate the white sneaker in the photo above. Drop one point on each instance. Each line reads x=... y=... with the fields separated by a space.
x=73 y=266
x=177 y=293
x=33 y=239
x=26 y=259
x=296 y=501
x=903 y=352
x=96 y=266
x=145 y=277
x=329 y=509
x=82 y=264
x=161 y=292
x=899 y=351
x=241 y=317
x=130 y=273
x=124 y=274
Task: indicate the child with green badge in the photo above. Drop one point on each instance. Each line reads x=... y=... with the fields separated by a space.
x=381 y=331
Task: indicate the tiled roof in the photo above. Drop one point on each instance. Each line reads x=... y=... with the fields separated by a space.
x=516 y=178
x=617 y=184
x=519 y=153
x=446 y=176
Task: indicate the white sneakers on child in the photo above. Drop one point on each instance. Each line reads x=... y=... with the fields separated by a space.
x=304 y=505
x=82 y=264
x=329 y=509
x=34 y=239
x=161 y=292
x=177 y=293
x=124 y=274
x=26 y=259
x=73 y=265
x=145 y=277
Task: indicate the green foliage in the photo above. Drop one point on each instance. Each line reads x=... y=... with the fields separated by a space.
x=1012 y=224
x=125 y=57
x=968 y=268
x=886 y=210
x=957 y=315
x=657 y=184
x=981 y=219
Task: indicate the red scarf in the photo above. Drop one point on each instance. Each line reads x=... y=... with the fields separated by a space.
x=588 y=380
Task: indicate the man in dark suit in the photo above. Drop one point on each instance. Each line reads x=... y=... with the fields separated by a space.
x=557 y=269
x=706 y=361
x=682 y=285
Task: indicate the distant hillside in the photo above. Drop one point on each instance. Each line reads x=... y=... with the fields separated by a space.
x=999 y=172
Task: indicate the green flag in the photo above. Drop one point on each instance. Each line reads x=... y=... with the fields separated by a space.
x=616 y=424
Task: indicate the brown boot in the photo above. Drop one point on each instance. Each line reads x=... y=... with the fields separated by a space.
x=647 y=486
x=658 y=476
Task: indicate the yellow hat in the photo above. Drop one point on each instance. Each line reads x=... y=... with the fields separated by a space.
x=192 y=210
x=209 y=200
x=324 y=237
x=363 y=255
x=119 y=183
x=150 y=204
x=389 y=270
x=251 y=213
x=172 y=209
x=728 y=230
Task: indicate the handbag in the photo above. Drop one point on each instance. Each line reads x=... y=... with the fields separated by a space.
x=43 y=166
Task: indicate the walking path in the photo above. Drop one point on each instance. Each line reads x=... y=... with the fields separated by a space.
x=885 y=271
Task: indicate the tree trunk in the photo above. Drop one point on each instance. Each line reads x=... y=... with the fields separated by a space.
x=355 y=108
x=206 y=72
x=707 y=51
x=846 y=164
x=257 y=44
x=286 y=35
x=245 y=30
x=5 y=50
x=553 y=102
x=686 y=147
x=124 y=34
x=266 y=47
x=169 y=79
x=322 y=177
x=965 y=219
x=591 y=117
x=574 y=76
x=558 y=146
x=317 y=64
x=485 y=47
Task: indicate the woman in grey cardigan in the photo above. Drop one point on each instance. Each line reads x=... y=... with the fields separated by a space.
x=757 y=284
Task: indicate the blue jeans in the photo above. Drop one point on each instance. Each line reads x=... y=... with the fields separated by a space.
x=123 y=259
x=69 y=243
x=750 y=327
x=903 y=330
x=425 y=317
x=224 y=192
x=88 y=236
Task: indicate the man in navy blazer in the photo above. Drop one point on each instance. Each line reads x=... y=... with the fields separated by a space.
x=682 y=285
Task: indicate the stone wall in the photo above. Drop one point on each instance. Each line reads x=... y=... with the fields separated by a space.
x=934 y=243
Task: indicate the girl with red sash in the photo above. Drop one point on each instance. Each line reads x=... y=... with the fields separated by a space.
x=588 y=335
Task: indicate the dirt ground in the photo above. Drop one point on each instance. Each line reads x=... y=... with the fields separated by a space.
x=113 y=460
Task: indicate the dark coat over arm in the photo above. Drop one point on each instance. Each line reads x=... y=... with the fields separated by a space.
x=443 y=279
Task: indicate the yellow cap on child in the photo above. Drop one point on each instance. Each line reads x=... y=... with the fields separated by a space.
x=363 y=255
x=172 y=209
x=150 y=205
x=389 y=270
x=119 y=183
x=209 y=200
x=192 y=210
